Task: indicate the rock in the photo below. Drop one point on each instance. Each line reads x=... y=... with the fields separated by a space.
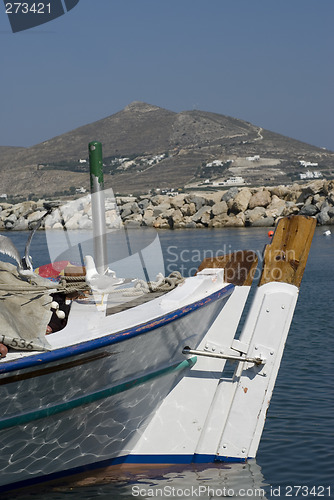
x=143 y=204
x=189 y=224
x=230 y=194
x=132 y=224
x=160 y=209
x=148 y=213
x=134 y=218
x=10 y=220
x=309 y=210
x=85 y=222
x=6 y=206
x=331 y=212
x=219 y=208
x=177 y=201
x=188 y=209
x=21 y=224
x=323 y=217
x=280 y=191
x=290 y=209
x=177 y=218
x=197 y=200
x=206 y=218
x=240 y=202
x=148 y=221
x=330 y=197
x=161 y=223
x=125 y=212
x=225 y=220
x=276 y=207
x=254 y=215
x=264 y=222
x=260 y=199
x=200 y=213
x=112 y=219
x=159 y=199
x=25 y=208
x=293 y=193
x=34 y=217
x=313 y=187
x=73 y=222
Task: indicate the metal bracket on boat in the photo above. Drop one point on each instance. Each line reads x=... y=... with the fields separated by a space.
x=257 y=361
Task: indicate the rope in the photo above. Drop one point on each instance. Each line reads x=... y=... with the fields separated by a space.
x=71 y=284
x=163 y=284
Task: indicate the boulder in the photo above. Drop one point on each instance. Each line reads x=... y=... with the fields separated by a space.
x=254 y=215
x=264 y=222
x=161 y=223
x=290 y=209
x=219 y=208
x=224 y=220
x=86 y=223
x=293 y=193
x=143 y=204
x=230 y=194
x=177 y=201
x=330 y=197
x=276 y=207
x=200 y=213
x=309 y=210
x=148 y=213
x=197 y=200
x=112 y=219
x=331 y=212
x=323 y=217
x=161 y=209
x=21 y=224
x=159 y=199
x=313 y=187
x=240 y=202
x=34 y=217
x=260 y=199
x=188 y=209
x=280 y=191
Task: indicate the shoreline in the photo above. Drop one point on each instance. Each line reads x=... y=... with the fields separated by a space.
x=236 y=207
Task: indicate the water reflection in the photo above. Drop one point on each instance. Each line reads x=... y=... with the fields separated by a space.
x=204 y=481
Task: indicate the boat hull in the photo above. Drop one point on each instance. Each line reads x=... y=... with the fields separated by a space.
x=89 y=404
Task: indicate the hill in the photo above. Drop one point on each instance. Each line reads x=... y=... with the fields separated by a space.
x=146 y=147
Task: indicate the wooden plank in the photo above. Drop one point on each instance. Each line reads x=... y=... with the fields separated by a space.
x=239 y=266
x=285 y=258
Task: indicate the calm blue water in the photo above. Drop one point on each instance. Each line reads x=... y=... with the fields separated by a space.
x=297 y=447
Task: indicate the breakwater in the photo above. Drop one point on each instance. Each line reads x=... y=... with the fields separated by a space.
x=235 y=207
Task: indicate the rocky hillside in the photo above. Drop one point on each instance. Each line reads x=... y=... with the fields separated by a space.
x=148 y=147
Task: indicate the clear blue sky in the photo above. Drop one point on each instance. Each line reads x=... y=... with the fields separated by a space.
x=265 y=61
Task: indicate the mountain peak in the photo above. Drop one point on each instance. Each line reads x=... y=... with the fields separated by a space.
x=141 y=107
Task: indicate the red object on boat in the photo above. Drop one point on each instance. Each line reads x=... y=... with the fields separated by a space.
x=53 y=270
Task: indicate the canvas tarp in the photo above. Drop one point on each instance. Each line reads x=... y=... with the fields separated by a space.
x=25 y=309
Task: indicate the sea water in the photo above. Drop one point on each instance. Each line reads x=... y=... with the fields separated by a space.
x=296 y=454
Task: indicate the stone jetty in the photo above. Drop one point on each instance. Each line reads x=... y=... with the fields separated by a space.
x=235 y=207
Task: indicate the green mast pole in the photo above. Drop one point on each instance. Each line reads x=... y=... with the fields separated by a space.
x=98 y=205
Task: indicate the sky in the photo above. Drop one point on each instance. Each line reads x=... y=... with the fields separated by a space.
x=268 y=62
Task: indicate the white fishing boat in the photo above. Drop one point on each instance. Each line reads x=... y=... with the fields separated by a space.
x=140 y=378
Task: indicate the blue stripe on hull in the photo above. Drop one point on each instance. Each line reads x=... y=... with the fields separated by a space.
x=90 y=345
